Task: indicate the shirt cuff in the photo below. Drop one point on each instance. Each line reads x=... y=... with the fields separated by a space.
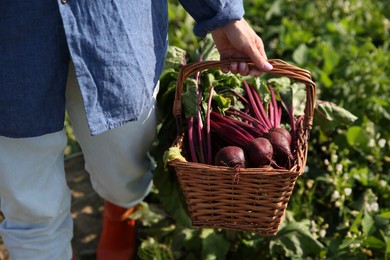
x=231 y=10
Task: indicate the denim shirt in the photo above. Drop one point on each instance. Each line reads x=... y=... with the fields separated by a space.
x=118 y=49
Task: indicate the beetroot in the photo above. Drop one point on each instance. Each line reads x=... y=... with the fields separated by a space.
x=283 y=131
x=281 y=146
x=259 y=152
x=232 y=156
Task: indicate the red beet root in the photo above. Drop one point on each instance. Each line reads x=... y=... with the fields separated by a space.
x=281 y=146
x=232 y=156
x=259 y=152
x=283 y=131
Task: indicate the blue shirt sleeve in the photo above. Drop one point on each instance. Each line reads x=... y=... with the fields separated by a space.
x=212 y=14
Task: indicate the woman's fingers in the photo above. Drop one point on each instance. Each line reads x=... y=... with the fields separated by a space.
x=241 y=68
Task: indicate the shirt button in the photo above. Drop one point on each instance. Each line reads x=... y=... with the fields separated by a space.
x=64 y=1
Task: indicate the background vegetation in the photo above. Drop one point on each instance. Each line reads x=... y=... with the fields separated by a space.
x=340 y=208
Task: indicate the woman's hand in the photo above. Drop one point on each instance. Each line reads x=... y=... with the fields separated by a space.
x=238 y=40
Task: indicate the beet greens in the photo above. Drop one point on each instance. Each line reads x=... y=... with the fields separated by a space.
x=226 y=117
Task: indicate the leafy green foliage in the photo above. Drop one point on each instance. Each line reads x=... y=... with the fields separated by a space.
x=340 y=208
x=295 y=237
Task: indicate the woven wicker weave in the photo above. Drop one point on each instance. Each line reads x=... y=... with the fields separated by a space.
x=251 y=199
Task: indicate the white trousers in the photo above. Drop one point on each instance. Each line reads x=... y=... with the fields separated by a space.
x=34 y=195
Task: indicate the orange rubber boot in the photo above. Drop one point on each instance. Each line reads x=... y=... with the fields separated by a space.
x=117 y=240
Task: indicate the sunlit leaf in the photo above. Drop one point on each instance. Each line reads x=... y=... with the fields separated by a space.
x=330 y=116
x=356 y=136
x=385 y=214
x=214 y=246
x=175 y=57
x=300 y=54
x=374 y=242
x=331 y=58
x=367 y=223
x=190 y=98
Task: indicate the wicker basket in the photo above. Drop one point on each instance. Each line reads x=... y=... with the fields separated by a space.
x=253 y=199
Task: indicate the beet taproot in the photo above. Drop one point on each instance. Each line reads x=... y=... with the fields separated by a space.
x=282 y=150
x=232 y=156
x=259 y=152
x=284 y=132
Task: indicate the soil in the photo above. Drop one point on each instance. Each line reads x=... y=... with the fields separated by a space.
x=87 y=209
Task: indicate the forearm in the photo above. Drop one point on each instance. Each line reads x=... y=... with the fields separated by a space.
x=212 y=14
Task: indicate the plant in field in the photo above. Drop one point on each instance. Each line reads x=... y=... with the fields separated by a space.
x=168 y=190
x=340 y=208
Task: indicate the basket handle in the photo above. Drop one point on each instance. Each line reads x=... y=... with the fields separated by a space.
x=280 y=67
